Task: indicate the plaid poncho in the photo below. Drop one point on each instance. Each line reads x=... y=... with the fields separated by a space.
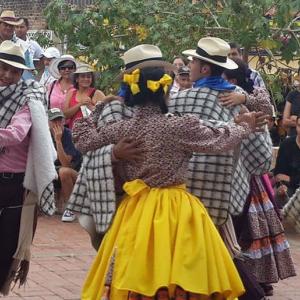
x=222 y=181
x=12 y=98
x=94 y=191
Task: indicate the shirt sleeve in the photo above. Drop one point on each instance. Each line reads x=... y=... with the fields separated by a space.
x=281 y=166
x=88 y=137
x=259 y=100
x=195 y=135
x=18 y=128
x=290 y=96
x=257 y=79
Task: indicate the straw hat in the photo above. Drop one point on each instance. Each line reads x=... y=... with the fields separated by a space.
x=213 y=50
x=144 y=56
x=53 y=68
x=8 y=17
x=84 y=68
x=13 y=55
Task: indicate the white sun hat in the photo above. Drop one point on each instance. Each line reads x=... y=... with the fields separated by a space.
x=8 y=17
x=213 y=50
x=53 y=68
x=13 y=55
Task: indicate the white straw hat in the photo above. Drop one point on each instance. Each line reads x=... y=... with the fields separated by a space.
x=213 y=50
x=53 y=68
x=8 y=17
x=84 y=68
x=144 y=56
x=13 y=55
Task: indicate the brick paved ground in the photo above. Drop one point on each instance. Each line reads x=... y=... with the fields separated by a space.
x=62 y=255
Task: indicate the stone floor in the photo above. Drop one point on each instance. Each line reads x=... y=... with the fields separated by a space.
x=62 y=255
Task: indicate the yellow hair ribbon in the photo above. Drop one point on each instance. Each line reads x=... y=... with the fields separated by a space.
x=132 y=80
x=165 y=82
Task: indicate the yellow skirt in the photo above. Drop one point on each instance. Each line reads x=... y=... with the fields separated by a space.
x=162 y=237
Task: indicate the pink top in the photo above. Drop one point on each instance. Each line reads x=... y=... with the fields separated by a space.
x=73 y=102
x=167 y=142
x=15 y=140
x=57 y=97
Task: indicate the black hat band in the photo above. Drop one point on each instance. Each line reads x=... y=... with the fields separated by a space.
x=218 y=58
x=132 y=64
x=12 y=58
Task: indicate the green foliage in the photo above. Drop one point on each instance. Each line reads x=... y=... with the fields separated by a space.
x=42 y=39
x=102 y=31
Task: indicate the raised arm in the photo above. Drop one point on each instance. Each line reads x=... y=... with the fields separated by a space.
x=68 y=111
x=88 y=137
x=259 y=100
x=195 y=136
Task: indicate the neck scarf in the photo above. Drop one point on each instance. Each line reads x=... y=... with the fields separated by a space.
x=215 y=83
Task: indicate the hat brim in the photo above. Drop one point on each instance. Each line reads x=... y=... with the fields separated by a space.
x=84 y=72
x=56 y=117
x=229 y=64
x=148 y=64
x=13 y=23
x=15 y=64
x=53 y=68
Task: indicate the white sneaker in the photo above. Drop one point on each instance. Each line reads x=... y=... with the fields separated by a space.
x=68 y=216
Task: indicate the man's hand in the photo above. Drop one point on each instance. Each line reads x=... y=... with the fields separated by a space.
x=128 y=149
x=256 y=120
x=57 y=133
x=231 y=99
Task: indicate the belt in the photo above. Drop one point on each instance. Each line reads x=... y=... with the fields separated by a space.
x=11 y=177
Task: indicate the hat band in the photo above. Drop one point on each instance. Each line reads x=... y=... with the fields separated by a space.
x=218 y=58
x=11 y=57
x=11 y=19
x=132 y=64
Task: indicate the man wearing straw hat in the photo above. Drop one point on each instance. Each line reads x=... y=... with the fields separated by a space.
x=26 y=164
x=8 y=21
x=221 y=181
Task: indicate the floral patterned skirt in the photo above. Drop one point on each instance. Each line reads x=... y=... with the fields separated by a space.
x=162 y=244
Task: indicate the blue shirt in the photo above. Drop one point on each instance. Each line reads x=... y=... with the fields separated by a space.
x=70 y=149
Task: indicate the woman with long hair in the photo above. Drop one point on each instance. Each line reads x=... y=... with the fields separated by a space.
x=80 y=101
x=162 y=242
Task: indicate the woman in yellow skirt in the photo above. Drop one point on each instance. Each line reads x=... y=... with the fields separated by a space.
x=162 y=243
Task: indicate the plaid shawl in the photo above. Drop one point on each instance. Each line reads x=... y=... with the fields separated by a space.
x=94 y=191
x=222 y=181
x=291 y=210
x=12 y=99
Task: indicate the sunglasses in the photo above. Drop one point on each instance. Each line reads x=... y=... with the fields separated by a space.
x=69 y=67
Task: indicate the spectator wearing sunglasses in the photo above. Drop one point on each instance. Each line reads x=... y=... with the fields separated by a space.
x=61 y=69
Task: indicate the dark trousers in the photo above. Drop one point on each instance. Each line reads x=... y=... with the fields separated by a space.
x=11 y=194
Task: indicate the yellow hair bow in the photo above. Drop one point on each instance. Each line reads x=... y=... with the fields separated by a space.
x=165 y=82
x=132 y=80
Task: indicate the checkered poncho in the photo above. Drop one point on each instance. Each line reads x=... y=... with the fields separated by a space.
x=222 y=181
x=291 y=210
x=94 y=192
x=13 y=98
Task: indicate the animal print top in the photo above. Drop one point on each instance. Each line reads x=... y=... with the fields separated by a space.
x=167 y=141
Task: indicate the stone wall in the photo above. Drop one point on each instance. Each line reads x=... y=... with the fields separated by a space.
x=33 y=10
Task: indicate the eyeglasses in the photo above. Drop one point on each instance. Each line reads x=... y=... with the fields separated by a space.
x=69 y=67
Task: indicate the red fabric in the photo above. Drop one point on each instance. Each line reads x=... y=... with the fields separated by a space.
x=73 y=102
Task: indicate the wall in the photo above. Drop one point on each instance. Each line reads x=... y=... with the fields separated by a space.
x=33 y=9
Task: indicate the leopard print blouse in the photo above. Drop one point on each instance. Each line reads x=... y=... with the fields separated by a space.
x=167 y=142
